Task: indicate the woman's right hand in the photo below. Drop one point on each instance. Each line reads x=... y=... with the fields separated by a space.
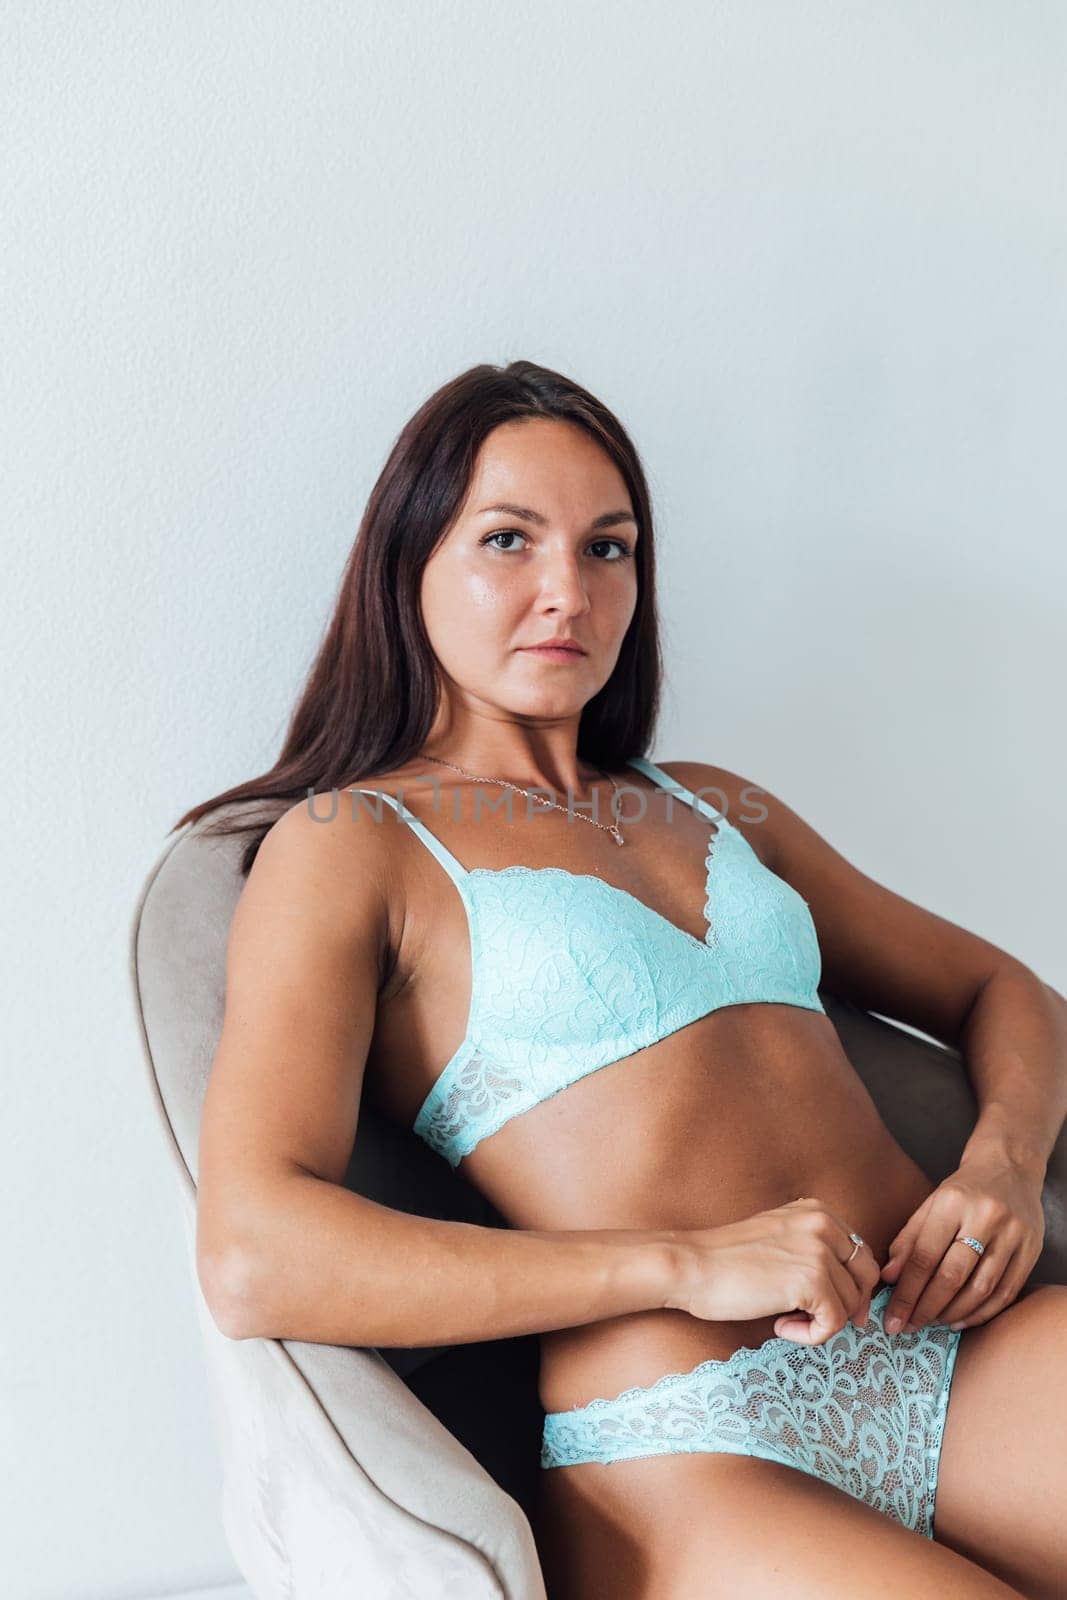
x=782 y=1263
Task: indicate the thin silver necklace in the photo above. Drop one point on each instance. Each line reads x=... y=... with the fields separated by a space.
x=550 y=805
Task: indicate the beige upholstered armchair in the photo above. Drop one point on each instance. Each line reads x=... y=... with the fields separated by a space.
x=353 y=1472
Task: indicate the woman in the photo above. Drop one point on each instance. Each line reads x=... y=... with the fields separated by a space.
x=600 y=1004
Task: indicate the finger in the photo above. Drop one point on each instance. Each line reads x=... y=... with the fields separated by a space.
x=997 y=1302
x=995 y=1271
x=814 y=1327
x=925 y=1257
x=864 y=1269
x=856 y=1282
x=850 y=1287
x=823 y=1309
x=914 y=1275
x=800 y=1325
x=901 y=1247
x=954 y=1272
x=860 y=1265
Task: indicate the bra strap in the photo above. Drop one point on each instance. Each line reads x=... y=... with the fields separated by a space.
x=454 y=868
x=672 y=786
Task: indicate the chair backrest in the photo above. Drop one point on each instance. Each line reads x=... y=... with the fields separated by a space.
x=178 y=969
x=338 y=1477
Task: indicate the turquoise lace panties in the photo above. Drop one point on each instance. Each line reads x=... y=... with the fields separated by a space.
x=864 y=1411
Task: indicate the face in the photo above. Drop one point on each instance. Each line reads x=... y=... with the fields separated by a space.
x=561 y=561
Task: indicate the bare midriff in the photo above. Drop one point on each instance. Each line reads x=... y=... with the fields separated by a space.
x=741 y=1111
x=738 y=1112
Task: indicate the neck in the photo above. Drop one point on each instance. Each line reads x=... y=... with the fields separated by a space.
x=575 y=777
x=533 y=754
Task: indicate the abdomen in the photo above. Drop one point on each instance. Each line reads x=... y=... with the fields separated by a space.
x=740 y=1112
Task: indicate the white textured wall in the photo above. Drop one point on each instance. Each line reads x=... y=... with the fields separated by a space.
x=813 y=253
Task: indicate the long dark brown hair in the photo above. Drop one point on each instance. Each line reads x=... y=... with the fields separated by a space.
x=371 y=694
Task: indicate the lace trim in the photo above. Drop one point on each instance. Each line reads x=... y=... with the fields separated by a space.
x=863 y=1411
x=710 y=937
x=671 y=1380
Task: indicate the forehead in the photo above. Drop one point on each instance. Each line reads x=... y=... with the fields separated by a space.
x=548 y=465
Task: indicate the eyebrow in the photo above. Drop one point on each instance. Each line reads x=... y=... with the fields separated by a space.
x=610 y=519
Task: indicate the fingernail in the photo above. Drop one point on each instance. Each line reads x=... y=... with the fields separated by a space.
x=956 y=1326
x=893 y=1324
x=911 y=1327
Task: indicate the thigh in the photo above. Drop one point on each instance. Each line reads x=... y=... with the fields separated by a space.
x=712 y=1527
x=1002 y=1482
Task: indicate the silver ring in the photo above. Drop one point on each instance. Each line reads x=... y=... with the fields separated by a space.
x=856 y=1245
x=975 y=1244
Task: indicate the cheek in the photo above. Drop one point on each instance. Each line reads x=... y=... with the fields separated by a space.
x=620 y=600
x=470 y=616
x=628 y=601
x=493 y=597
x=462 y=596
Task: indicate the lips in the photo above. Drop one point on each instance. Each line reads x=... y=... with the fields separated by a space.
x=563 y=648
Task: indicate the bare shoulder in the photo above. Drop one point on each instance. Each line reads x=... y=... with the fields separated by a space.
x=743 y=801
x=334 y=823
x=327 y=859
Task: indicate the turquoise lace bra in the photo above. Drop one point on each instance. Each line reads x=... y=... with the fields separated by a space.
x=571 y=974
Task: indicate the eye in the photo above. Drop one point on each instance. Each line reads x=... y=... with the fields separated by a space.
x=502 y=533
x=624 y=551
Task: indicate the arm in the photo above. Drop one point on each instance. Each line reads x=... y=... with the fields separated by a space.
x=1015 y=1046
x=337 y=1268
x=283 y=1249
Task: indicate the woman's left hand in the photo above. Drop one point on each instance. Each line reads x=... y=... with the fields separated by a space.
x=991 y=1199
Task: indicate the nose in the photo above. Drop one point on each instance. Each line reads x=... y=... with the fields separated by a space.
x=563 y=587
